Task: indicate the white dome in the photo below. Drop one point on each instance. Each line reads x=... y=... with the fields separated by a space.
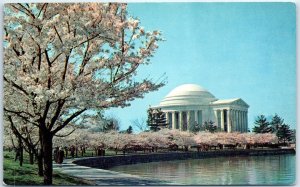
x=188 y=94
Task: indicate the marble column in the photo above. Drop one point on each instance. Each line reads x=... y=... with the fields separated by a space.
x=246 y=121
x=241 y=120
x=233 y=120
x=228 y=120
x=236 y=120
x=173 y=120
x=180 y=120
x=243 y=123
x=196 y=116
x=216 y=117
x=167 y=119
x=222 y=120
x=188 y=120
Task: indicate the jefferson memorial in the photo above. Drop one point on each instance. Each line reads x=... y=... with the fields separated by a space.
x=190 y=104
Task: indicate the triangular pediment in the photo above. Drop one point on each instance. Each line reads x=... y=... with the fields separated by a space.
x=236 y=101
x=240 y=102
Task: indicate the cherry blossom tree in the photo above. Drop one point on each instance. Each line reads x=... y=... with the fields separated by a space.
x=26 y=137
x=8 y=140
x=204 y=140
x=144 y=142
x=98 y=141
x=64 y=59
x=185 y=139
x=118 y=141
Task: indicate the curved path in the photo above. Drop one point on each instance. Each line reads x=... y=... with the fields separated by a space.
x=95 y=176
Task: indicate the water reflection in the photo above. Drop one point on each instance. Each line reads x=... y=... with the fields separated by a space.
x=254 y=170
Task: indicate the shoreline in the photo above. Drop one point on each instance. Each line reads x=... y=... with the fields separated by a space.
x=106 y=162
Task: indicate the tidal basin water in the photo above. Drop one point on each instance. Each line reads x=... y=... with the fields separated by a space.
x=251 y=170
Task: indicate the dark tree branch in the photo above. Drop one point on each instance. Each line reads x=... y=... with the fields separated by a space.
x=29 y=12
x=16 y=86
x=66 y=67
x=41 y=9
x=18 y=112
x=57 y=113
x=128 y=73
x=55 y=58
x=61 y=136
x=58 y=35
x=49 y=69
x=93 y=37
x=67 y=121
x=15 y=130
x=84 y=61
x=46 y=111
x=20 y=10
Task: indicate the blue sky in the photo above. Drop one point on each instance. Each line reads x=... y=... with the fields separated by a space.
x=245 y=50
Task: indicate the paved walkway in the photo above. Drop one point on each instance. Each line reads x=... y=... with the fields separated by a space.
x=95 y=176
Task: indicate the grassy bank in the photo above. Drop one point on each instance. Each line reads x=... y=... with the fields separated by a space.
x=14 y=174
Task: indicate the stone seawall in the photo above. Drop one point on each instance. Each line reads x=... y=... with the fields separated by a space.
x=110 y=161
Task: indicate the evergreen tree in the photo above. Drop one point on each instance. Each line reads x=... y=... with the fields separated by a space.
x=284 y=133
x=210 y=126
x=293 y=137
x=111 y=125
x=262 y=125
x=129 y=130
x=276 y=123
x=195 y=128
x=156 y=119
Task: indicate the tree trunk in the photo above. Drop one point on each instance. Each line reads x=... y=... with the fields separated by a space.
x=40 y=163
x=47 y=153
x=36 y=154
x=20 y=149
x=40 y=155
x=21 y=156
x=31 y=157
x=67 y=152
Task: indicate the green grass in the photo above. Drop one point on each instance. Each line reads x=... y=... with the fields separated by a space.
x=14 y=174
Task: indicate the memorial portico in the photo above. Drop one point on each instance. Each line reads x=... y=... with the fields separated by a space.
x=189 y=105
